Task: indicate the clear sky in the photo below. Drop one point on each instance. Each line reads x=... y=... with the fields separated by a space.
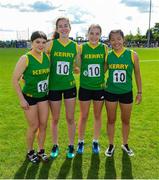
x=19 y=18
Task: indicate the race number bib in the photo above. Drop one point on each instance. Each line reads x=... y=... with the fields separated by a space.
x=93 y=70
x=119 y=76
x=42 y=86
x=62 y=68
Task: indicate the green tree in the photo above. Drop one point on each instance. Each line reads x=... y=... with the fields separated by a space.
x=155 y=32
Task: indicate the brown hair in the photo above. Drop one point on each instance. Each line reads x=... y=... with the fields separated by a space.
x=56 y=34
x=119 y=31
x=38 y=34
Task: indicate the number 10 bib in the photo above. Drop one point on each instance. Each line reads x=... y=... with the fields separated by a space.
x=119 y=76
x=62 y=68
x=93 y=70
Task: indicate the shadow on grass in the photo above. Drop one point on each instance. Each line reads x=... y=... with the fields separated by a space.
x=77 y=167
x=44 y=171
x=110 y=172
x=65 y=168
x=25 y=172
x=126 y=167
x=94 y=167
x=32 y=171
x=21 y=172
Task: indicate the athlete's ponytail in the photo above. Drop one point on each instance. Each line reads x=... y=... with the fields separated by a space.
x=55 y=35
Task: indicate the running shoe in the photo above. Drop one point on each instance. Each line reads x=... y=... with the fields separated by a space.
x=126 y=148
x=80 y=148
x=95 y=147
x=55 y=151
x=70 y=152
x=110 y=150
x=32 y=156
x=42 y=155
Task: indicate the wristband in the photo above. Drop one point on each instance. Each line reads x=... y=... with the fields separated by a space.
x=139 y=92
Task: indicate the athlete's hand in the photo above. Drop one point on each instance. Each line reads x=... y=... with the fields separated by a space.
x=138 y=99
x=24 y=104
x=76 y=70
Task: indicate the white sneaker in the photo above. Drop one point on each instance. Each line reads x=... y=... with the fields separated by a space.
x=110 y=150
x=126 y=148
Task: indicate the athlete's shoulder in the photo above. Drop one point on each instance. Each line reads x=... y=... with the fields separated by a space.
x=105 y=47
x=27 y=55
x=129 y=50
x=85 y=44
x=24 y=56
x=110 y=51
x=132 y=54
x=24 y=59
x=46 y=55
x=72 y=41
x=101 y=44
x=49 y=46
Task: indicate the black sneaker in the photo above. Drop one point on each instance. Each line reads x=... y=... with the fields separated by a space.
x=42 y=155
x=32 y=156
x=126 y=148
x=110 y=150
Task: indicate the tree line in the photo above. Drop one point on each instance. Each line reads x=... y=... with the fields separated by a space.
x=141 y=40
x=131 y=40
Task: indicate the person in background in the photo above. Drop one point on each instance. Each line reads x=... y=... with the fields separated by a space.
x=120 y=65
x=62 y=52
x=92 y=64
x=34 y=68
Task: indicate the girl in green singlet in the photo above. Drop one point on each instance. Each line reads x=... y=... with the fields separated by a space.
x=34 y=68
x=92 y=62
x=121 y=62
x=62 y=53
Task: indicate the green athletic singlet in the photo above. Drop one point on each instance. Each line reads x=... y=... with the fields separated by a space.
x=92 y=66
x=62 y=59
x=36 y=76
x=120 y=68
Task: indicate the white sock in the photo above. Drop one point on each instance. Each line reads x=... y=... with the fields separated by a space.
x=79 y=141
x=95 y=140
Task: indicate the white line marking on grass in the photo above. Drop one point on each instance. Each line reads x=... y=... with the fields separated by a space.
x=149 y=60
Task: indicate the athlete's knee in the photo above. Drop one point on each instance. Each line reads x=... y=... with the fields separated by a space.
x=83 y=117
x=43 y=125
x=126 y=122
x=97 y=117
x=55 y=120
x=70 y=120
x=33 y=129
x=111 y=121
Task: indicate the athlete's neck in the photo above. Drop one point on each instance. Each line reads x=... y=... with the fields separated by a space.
x=93 y=44
x=64 y=40
x=119 y=51
x=36 y=53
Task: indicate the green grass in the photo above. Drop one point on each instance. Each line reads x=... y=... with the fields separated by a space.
x=144 y=138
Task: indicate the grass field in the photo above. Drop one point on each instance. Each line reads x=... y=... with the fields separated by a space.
x=144 y=135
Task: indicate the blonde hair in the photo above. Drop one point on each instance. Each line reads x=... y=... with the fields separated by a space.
x=95 y=26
